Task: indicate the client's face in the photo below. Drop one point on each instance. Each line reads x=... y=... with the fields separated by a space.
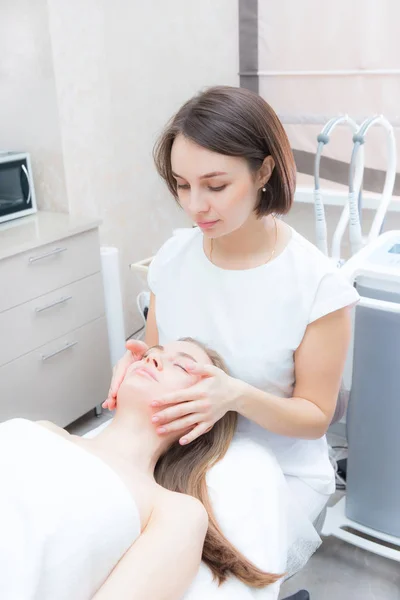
x=163 y=369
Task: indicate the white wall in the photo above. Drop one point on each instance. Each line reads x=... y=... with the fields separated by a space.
x=329 y=38
x=28 y=99
x=120 y=69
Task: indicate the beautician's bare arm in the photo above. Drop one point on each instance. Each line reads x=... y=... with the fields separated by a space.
x=319 y=363
x=151 y=324
x=164 y=560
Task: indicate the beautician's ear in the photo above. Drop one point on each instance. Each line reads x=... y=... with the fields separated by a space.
x=265 y=171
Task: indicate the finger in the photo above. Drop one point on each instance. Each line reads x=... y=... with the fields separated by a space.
x=108 y=404
x=119 y=375
x=175 y=412
x=179 y=424
x=116 y=382
x=199 y=430
x=137 y=348
x=179 y=397
x=119 y=371
x=203 y=370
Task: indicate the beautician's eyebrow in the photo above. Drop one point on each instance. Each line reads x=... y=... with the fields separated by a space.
x=206 y=176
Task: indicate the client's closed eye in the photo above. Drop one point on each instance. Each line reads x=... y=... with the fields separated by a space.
x=181 y=367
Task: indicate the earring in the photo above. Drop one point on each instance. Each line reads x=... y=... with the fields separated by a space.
x=264 y=189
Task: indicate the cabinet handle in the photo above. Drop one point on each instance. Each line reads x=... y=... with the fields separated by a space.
x=66 y=347
x=51 y=253
x=55 y=303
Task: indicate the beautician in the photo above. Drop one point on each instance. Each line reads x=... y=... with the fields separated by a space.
x=250 y=286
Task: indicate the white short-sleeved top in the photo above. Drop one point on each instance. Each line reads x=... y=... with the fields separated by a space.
x=256 y=319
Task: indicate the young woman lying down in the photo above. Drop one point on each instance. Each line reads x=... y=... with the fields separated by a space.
x=125 y=514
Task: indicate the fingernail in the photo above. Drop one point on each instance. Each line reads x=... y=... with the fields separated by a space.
x=155 y=404
x=161 y=430
x=184 y=441
x=155 y=419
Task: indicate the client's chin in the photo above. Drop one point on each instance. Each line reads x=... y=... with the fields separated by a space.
x=138 y=389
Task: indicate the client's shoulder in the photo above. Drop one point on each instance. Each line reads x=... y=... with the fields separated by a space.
x=181 y=508
x=53 y=427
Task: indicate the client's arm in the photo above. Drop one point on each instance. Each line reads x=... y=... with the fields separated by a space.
x=163 y=561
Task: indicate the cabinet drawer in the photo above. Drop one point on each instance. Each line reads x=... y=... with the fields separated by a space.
x=39 y=321
x=32 y=274
x=60 y=381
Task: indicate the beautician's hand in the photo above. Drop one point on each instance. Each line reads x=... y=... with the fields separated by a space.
x=199 y=406
x=135 y=351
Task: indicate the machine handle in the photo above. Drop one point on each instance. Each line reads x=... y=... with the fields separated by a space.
x=47 y=254
x=66 y=347
x=55 y=303
x=384 y=305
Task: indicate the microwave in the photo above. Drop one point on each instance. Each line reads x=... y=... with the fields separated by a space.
x=17 y=194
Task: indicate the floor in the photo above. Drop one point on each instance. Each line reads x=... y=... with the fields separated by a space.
x=338 y=571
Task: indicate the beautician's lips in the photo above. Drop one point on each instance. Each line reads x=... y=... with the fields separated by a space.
x=207 y=224
x=147 y=372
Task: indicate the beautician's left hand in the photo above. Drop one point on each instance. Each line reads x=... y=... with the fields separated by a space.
x=200 y=405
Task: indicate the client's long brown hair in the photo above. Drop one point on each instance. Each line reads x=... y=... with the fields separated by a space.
x=183 y=469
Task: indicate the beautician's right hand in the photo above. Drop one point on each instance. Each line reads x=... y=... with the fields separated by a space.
x=135 y=351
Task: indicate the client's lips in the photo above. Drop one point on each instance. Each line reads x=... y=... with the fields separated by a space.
x=146 y=372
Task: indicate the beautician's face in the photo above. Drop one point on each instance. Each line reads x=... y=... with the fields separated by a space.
x=217 y=192
x=164 y=369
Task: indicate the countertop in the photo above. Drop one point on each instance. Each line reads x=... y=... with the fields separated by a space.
x=44 y=227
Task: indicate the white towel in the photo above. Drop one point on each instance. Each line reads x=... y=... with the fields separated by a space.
x=59 y=540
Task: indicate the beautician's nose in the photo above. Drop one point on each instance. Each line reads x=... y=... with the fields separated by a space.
x=197 y=202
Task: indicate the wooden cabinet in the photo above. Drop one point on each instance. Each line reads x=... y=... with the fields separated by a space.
x=54 y=354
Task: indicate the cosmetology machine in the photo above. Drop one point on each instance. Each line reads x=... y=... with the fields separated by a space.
x=353 y=208
x=369 y=515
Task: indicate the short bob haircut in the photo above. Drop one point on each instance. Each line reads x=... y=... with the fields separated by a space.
x=234 y=122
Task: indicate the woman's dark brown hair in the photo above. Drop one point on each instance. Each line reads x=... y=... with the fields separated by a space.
x=184 y=468
x=234 y=122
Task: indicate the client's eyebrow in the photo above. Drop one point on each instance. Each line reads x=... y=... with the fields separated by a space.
x=185 y=355
x=156 y=347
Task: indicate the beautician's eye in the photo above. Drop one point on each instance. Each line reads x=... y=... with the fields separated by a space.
x=217 y=189
x=182 y=186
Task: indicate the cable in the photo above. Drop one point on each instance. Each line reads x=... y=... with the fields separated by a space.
x=334 y=457
x=135 y=333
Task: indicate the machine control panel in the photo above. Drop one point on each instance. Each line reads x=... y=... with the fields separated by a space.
x=386 y=254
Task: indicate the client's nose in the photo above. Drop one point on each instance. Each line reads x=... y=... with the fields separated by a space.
x=155 y=361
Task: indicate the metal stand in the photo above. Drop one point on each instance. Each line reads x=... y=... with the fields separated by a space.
x=338 y=525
